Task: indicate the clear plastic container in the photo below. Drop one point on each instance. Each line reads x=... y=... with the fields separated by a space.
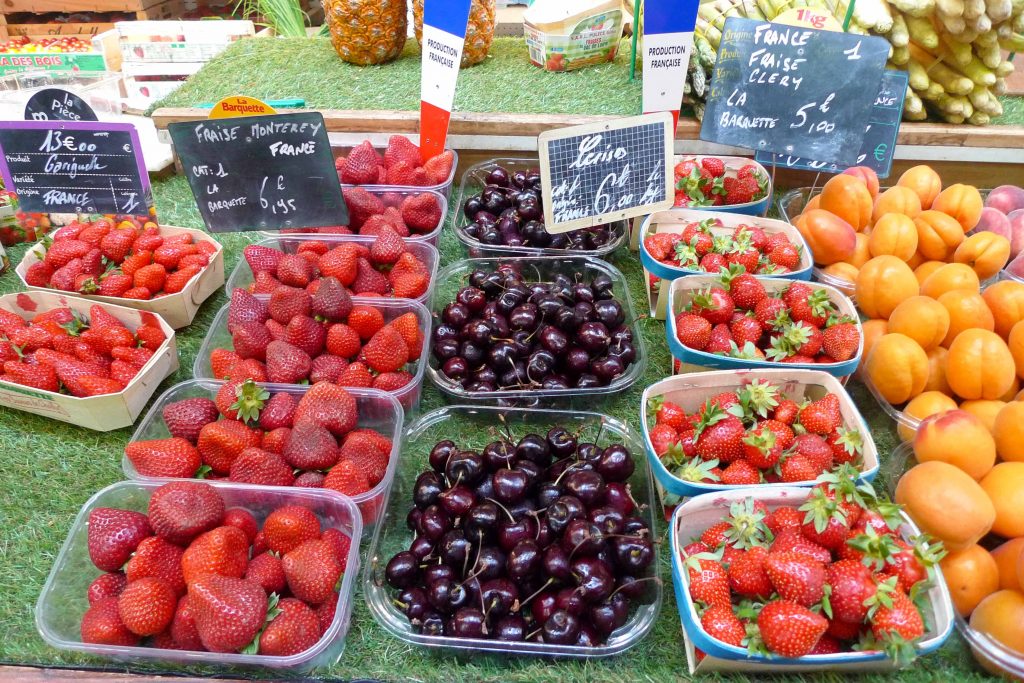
x=408 y=396
x=377 y=410
x=63 y=600
x=537 y=269
x=474 y=180
x=391 y=196
x=393 y=535
x=444 y=188
x=242 y=276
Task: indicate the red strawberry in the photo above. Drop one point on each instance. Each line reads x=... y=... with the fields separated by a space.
x=294 y=630
x=368 y=280
x=152 y=277
x=693 y=331
x=327 y=368
x=347 y=478
x=422 y=212
x=785 y=256
x=392 y=381
x=386 y=248
x=902 y=619
x=796 y=577
x=102 y=625
x=287 y=364
x=744 y=330
x=117 y=244
x=157 y=557
x=287 y=527
x=361 y=165
x=340 y=544
x=287 y=303
x=306 y=334
x=709 y=582
x=783 y=434
x=852 y=588
x=223 y=551
x=329 y=405
x=108 y=585
x=243 y=519
x=221 y=442
x=246 y=308
x=278 y=412
x=261 y=258
x=712 y=263
x=240 y=399
x=275 y=440
x=761 y=449
x=404 y=173
x=408 y=325
x=386 y=351
x=311 y=447
x=39 y=274
x=822 y=416
x=172 y=457
x=115 y=284
x=798 y=468
x=181 y=510
x=714 y=166
x=63 y=252
x=720 y=436
x=784 y=517
x=147 y=606
x=408 y=263
x=250 y=340
x=789 y=629
x=740 y=473
x=261 y=466
x=747 y=575
x=747 y=258
x=815 y=449
x=721 y=340
x=357 y=375
x=409 y=285
x=311 y=570
x=713 y=304
x=65 y=277
x=786 y=412
x=136 y=262
x=401 y=148
x=185 y=418
x=38 y=376
x=266 y=570
x=361 y=205
x=294 y=270
x=310 y=480
x=332 y=301
x=114 y=535
x=840 y=341
x=183 y=627
x=771 y=313
x=364 y=451
x=98 y=386
x=340 y=263
x=721 y=623
x=813 y=308
x=746 y=291
x=228 y=612
x=825 y=522
x=439 y=168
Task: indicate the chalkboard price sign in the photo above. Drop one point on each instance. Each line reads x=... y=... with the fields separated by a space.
x=74 y=167
x=879 y=144
x=793 y=90
x=55 y=104
x=606 y=172
x=261 y=172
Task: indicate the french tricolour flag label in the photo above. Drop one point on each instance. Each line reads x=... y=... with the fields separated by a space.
x=444 y=33
x=668 y=39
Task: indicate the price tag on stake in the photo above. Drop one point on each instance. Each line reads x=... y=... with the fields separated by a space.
x=793 y=90
x=74 y=167
x=604 y=172
x=668 y=39
x=444 y=34
x=261 y=172
x=56 y=104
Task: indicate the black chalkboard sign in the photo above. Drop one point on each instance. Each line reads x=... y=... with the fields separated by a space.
x=74 y=167
x=55 y=104
x=793 y=90
x=605 y=172
x=261 y=172
x=879 y=144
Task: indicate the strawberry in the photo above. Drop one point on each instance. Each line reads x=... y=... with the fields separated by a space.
x=409 y=285
x=261 y=258
x=439 y=168
x=746 y=291
x=117 y=244
x=306 y=334
x=347 y=478
x=840 y=341
x=65 y=277
x=361 y=205
x=813 y=308
x=713 y=304
x=712 y=263
x=152 y=277
x=907 y=566
x=287 y=364
x=340 y=263
x=261 y=466
x=157 y=557
x=223 y=551
x=63 y=252
x=266 y=570
x=740 y=473
x=183 y=628
x=38 y=376
x=365 y=452
x=340 y=544
x=368 y=280
x=408 y=263
x=102 y=625
x=181 y=510
x=289 y=526
x=251 y=340
x=278 y=412
x=796 y=577
x=785 y=256
x=294 y=270
x=240 y=399
x=405 y=173
x=386 y=351
x=356 y=375
x=771 y=313
x=221 y=442
x=114 y=535
x=708 y=580
x=311 y=447
x=821 y=416
x=327 y=368
x=798 y=468
x=721 y=340
x=311 y=570
x=789 y=629
x=329 y=405
x=761 y=449
x=693 y=331
x=108 y=585
x=721 y=623
x=716 y=534
x=720 y=436
x=275 y=440
x=745 y=257
x=228 y=612
x=825 y=523
x=784 y=517
x=287 y=303
x=246 y=308
x=39 y=274
x=310 y=480
x=422 y=212
x=172 y=457
x=332 y=301
x=391 y=381
x=747 y=575
x=852 y=589
x=898 y=622
x=714 y=166
x=185 y=418
x=243 y=519
x=147 y=606
x=408 y=325
x=360 y=166
x=115 y=284
x=294 y=630
x=745 y=330
x=401 y=148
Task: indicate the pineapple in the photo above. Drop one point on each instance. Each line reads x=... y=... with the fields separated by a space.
x=479 y=29
x=367 y=31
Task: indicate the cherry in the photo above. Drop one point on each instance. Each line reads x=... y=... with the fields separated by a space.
x=491 y=563
x=556 y=563
x=561 y=442
x=413 y=602
x=457 y=500
x=498 y=596
x=472 y=298
x=534 y=448
x=608 y=519
x=426 y=490
x=610 y=313
x=512 y=533
x=587 y=636
x=465 y=467
x=469 y=622
x=571 y=600
x=433 y=624
x=498 y=454
x=594 y=577
x=563 y=511
x=524 y=560
x=446 y=596
x=436 y=572
x=456 y=369
x=421 y=547
x=616 y=495
x=615 y=463
x=544 y=605
x=633 y=554
x=412 y=520
x=402 y=570
x=510 y=628
x=561 y=628
x=434 y=523
x=610 y=614
x=510 y=485
x=582 y=537
x=455 y=548
x=586 y=485
x=481 y=522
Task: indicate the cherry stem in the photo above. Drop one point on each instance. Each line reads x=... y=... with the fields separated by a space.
x=510 y=517
x=646 y=578
x=523 y=603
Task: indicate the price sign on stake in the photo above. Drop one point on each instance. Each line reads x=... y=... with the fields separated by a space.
x=261 y=172
x=668 y=39
x=606 y=172
x=444 y=34
x=74 y=167
x=793 y=90
x=879 y=144
x=55 y=104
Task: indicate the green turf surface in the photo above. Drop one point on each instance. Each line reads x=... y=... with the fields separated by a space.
x=50 y=469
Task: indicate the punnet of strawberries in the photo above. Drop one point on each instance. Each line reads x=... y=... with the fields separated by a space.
x=399 y=165
x=838 y=573
x=708 y=182
x=251 y=435
x=60 y=351
x=296 y=337
x=739 y=318
x=385 y=267
x=127 y=257
x=752 y=435
x=698 y=247
x=193 y=574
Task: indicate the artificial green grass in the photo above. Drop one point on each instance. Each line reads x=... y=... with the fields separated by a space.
x=51 y=469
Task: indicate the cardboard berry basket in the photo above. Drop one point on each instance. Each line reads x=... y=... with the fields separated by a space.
x=732 y=165
x=242 y=276
x=177 y=309
x=391 y=197
x=101 y=413
x=475 y=179
x=675 y=220
x=444 y=188
x=63 y=600
x=393 y=535
x=378 y=410
x=408 y=396
x=690 y=392
x=681 y=291
x=697 y=514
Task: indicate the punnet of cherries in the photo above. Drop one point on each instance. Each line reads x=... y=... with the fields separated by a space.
x=537 y=540
x=502 y=333
x=509 y=212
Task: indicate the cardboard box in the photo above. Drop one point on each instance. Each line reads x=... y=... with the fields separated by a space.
x=179 y=41
x=177 y=309
x=101 y=413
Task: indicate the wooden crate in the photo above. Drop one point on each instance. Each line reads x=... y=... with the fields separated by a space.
x=142 y=9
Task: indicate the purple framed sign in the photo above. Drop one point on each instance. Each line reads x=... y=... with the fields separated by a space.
x=74 y=167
